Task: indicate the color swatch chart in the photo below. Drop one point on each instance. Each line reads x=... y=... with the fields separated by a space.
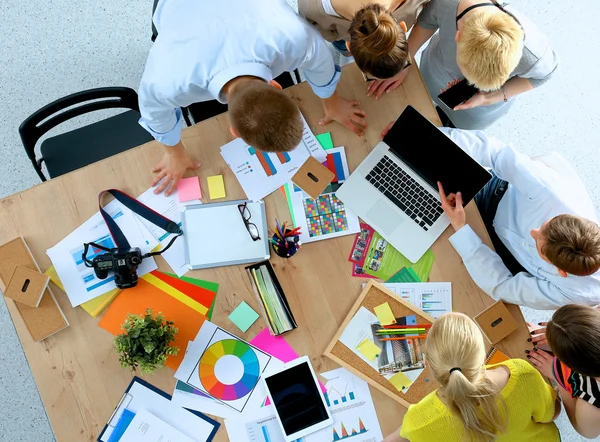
x=434 y=298
x=325 y=215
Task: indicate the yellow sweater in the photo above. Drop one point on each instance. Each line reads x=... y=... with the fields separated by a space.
x=530 y=401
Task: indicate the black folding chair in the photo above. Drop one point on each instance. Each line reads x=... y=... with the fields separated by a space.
x=75 y=149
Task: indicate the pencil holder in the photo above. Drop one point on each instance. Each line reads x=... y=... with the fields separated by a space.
x=280 y=249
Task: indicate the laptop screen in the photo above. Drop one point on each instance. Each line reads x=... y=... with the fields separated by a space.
x=434 y=156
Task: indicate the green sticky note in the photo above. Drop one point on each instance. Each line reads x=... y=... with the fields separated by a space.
x=243 y=316
x=325 y=140
x=368 y=349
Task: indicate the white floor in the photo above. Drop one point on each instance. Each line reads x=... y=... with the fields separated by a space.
x=52 y=48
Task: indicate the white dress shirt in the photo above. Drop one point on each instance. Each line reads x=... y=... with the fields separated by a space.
x=535 y=194
x=203 y=44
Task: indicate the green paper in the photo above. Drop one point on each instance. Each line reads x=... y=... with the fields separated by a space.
x=405 y=274
x=289 y=201
x=243 y=316
x=325 y=140
x=208 y=285
x=382 y=260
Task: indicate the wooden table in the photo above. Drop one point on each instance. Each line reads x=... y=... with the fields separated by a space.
x=77 y=370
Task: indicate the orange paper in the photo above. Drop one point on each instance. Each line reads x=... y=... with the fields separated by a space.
x=145 y=295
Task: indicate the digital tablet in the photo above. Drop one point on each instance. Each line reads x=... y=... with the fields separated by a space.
x=297 y=398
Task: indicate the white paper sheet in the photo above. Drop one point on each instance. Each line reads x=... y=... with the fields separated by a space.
x=80 y=282
x=145 y=427
x=434 y=298
x=357 y=330
x=354 y=411
x=260 y=180
x=141 y=398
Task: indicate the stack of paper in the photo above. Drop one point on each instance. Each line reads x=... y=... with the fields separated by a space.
x=185 y=303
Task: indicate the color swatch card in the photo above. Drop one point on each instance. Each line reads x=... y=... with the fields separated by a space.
x=188 y=189
x=226 y=368
x=261 y=173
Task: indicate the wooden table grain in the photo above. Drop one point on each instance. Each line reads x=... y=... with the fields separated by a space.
x=77 y=370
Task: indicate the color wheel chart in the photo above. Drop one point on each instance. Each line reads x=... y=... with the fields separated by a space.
x=229 y=369
x=266 y=162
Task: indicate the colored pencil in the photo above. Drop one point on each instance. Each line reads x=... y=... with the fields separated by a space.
x=404 y=338
x=409 y=326
x=401 y=332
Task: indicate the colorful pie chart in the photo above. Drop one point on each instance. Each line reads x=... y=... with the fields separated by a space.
x=209 y=377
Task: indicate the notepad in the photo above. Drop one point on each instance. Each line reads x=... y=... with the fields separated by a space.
x=189 y=189
x=384 y=314
x=368 y=349
x=325 y=140
x=400 y=381
x=216 y=187
x=243 y=316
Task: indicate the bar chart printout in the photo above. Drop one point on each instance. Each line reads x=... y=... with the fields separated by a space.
x=434 y=298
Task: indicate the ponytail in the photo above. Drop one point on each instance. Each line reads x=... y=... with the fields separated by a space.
x=377 y=42
x=455 y=352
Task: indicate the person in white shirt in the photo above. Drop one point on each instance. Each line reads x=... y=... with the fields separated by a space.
x=542 y=225
x=231 y=51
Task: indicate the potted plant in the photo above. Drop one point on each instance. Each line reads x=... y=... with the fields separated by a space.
x=146 y=342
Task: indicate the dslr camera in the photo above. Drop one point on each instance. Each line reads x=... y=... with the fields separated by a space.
x=122 y=262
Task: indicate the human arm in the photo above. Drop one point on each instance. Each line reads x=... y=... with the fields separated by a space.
x=395 y=437
x=530 y=177
x=323 y=76
x=513 y=87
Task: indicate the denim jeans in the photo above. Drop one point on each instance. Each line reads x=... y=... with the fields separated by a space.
x=487 y=201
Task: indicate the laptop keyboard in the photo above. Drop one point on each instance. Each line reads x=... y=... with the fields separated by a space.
x=406 y=193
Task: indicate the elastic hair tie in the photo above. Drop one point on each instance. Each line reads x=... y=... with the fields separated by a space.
x=455 y=368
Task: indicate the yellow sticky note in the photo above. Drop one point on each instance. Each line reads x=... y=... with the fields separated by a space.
x=400 y=381
x=384 y=314
x=216 y=187
x=368 y=349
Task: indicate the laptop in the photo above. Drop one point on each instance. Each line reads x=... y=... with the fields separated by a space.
x=395 y=188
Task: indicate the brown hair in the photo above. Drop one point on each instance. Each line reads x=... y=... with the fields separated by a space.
x=377 y=42
x=265 y=118
x=455 y=353
x=489 y=49
x=572 y=244
x=573 y=334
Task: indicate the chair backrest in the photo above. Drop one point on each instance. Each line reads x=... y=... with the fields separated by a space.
x=53 y=114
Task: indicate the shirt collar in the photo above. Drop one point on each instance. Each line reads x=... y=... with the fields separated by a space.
x=215 y=87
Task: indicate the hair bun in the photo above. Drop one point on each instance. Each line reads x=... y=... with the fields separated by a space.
x=369 y=22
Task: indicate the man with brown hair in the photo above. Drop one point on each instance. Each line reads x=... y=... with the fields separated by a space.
x=542 y=225
x=231 y=51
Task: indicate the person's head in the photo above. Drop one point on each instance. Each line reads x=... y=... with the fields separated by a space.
x=573 y=334
x=264 y=117
x=570 y=243
x=455 y=353
x=377 y=42
x=489 y=47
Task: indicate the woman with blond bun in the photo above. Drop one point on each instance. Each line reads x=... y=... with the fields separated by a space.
x=504 y=402
x=373 y=33
x=496 y=49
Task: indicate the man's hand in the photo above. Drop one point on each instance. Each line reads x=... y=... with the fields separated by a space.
x=171 y=169
x=542 y=361
x=386 y=129
x=453 y=208
x=345 y=112
x=378 y=87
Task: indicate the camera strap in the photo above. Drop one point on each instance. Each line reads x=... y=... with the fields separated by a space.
x=143 y=211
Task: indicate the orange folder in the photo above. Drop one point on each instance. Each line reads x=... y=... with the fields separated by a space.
x=198 y=294
x=136 y=300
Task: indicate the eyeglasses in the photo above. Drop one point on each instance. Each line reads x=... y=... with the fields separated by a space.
x=406 y=65
x=251 y=227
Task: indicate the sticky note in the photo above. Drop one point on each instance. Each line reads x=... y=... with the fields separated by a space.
x=243 y=316
x=325 y=140
x=384 y=314
x=400 y=381
x=368 y=349
x=216 y=187
x=189 y=189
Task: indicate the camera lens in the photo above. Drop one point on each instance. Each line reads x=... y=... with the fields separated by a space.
x=135 y=260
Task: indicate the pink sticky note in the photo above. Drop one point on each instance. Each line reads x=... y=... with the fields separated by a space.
x=277 y=347
x=189 y=189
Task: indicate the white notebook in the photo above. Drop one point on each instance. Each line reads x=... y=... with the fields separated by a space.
x=215 y=234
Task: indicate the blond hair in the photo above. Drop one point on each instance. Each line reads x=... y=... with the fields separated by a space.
x=377 y=42
x=265 y=117
x=455 y=342
x=572 y=244
x=489 y=48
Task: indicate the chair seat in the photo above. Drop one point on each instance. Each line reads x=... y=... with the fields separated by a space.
x=80 y=147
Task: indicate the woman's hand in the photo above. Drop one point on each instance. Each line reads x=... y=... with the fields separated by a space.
x=542 y=361
x=538 y=333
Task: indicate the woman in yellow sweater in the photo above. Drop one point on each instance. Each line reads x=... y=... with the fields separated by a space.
x=504 y=402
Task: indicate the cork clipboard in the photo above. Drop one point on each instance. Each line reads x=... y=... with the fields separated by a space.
x=375 y=294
